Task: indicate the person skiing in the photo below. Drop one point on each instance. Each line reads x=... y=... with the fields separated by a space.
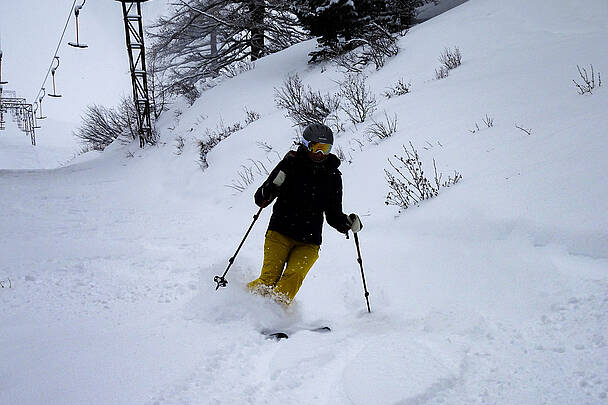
x=306 y=184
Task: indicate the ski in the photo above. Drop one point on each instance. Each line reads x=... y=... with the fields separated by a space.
x=278 y=335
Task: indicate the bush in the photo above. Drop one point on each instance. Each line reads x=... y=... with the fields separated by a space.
x=588 y=83
x=400 y=88
x=450 y=59
x=214 y=137
x=248 y=174
x=304 y=105
x=339 y=152
x=189 y=91
x=102 y=125
x=441 y=73
x=360 y=102
x=180 y=143
x=487 y=120
x=235 y=69
x=383 y=129
x=251 y=116
x=410 y=186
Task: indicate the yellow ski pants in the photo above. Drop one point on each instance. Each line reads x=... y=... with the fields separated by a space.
x=278 y=280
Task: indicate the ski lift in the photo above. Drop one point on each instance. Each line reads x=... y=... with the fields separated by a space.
x=53 y=70
x=35 y=106
x=40 y=103
x=1 y=114
x=77 y=44
x=1 y=81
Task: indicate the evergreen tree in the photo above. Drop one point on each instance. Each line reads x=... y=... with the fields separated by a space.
x=342 y=25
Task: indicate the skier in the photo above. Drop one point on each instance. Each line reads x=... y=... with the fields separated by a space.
x=306 y=184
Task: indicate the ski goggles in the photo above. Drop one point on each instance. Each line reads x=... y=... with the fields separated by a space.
x=316 y=147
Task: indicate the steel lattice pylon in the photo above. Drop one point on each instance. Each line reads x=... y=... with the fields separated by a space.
x=21 y=111
x=134 y=32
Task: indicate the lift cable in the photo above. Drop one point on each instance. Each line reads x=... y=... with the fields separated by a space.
x=56 y=51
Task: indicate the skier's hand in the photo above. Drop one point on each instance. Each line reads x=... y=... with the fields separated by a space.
x=264 y=197
x=269 y=190
x=354 y=222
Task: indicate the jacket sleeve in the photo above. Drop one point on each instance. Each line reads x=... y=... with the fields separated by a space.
x=333 y=212
x=268 y=191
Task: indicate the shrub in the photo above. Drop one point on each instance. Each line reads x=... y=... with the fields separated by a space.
x=400 y=88
x=214 y=137
x=487 y=120
x=237 y=68
x=248 y=174
x=251 y=116
x=102 y=125
x=180 y=143
x=528 y=131
x=339 y=152
x=441 y=73
x=189 y=91
x=304 y=105
x=450 y=59
x=410 y=186
x=383 y=129
x=588 y=83
x=360 y=102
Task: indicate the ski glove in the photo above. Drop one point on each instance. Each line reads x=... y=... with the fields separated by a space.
x=264 y=196
x=354 y=222
x=267 y=193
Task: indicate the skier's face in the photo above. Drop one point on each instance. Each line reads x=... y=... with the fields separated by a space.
x=317 y=151
x=317 y=156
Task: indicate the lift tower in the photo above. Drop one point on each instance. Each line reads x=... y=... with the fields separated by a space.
x=134 y=32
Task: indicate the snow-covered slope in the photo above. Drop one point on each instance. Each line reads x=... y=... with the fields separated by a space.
x=494 y=292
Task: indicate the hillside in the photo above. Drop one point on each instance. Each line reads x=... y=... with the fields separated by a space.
x=492 y=293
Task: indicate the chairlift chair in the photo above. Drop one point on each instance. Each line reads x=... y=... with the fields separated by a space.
x=77 y=44
x=53 y=70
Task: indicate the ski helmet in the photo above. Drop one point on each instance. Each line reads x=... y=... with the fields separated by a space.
x=318 y=133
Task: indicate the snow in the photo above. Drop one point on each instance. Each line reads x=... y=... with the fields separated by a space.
x=495 y=292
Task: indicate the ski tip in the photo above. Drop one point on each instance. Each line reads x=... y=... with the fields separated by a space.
x=277 y=336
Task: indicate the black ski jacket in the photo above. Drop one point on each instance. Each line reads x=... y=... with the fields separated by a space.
x=309 y=190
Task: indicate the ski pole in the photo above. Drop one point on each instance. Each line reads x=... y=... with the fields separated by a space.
x=362 y=274
x=221 y=280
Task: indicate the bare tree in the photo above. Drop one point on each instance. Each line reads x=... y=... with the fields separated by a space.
x=201 y=38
